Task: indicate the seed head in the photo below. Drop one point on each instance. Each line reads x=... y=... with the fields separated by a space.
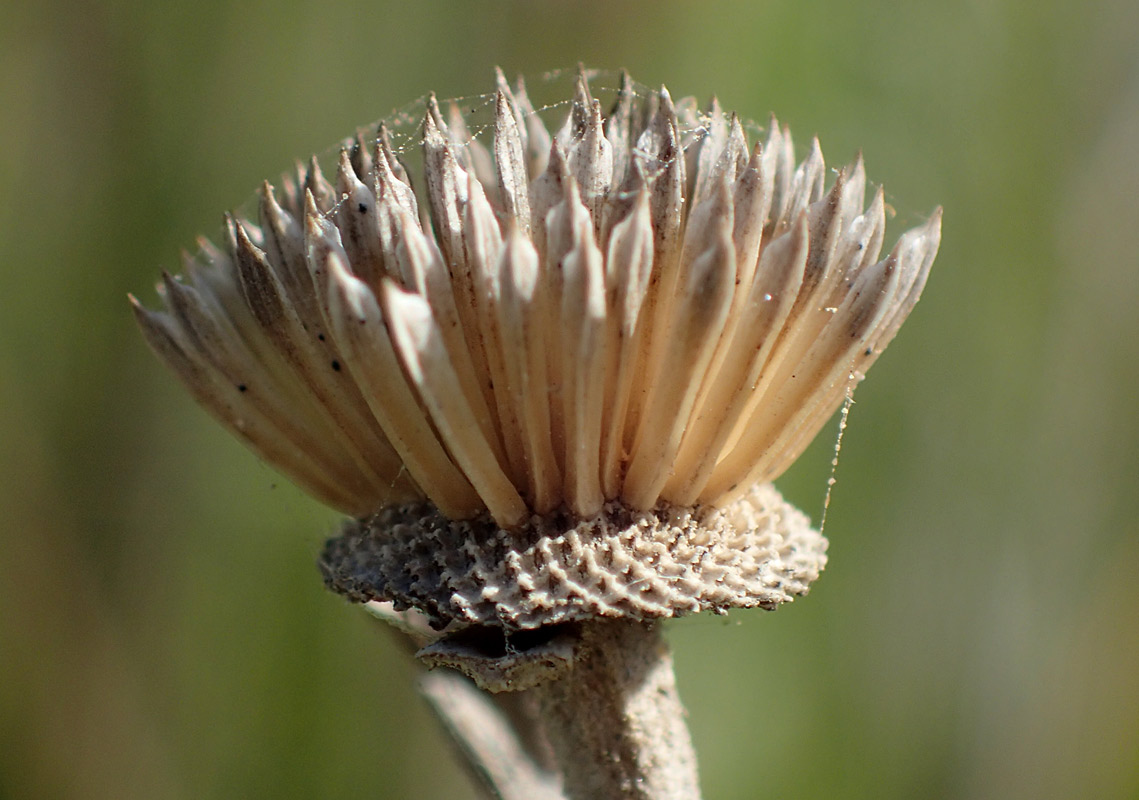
x=531 y=360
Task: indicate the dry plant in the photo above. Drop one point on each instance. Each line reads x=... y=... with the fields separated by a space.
x=550 y=374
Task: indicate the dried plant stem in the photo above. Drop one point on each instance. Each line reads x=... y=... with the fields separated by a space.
x=489 y=742
x=615 y=720
x=609 y=726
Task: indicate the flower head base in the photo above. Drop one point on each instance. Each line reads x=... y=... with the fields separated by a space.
x=634 y=312
x=756 y=552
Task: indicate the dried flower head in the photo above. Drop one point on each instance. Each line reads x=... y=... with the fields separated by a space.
x=550 y=372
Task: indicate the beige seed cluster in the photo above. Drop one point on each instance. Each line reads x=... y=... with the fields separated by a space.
x=637 y=308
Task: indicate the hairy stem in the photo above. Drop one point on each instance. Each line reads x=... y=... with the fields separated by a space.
x=589 y=711
x=615 y=720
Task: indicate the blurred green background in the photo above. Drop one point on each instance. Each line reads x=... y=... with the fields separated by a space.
x=163 y=630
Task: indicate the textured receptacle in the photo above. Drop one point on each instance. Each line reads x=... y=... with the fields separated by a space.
x=642 y=565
